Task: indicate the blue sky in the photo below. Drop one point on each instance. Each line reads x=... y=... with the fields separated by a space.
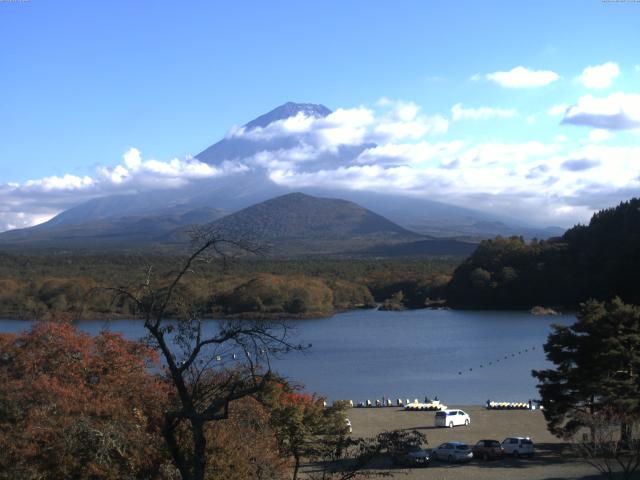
x=84 y=82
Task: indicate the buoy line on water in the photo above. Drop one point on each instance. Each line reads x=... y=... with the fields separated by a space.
x=505 y=357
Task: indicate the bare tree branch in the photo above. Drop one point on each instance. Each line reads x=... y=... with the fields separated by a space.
x=204 y=386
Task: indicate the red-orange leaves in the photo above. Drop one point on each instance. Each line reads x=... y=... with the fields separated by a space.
x=77 y=406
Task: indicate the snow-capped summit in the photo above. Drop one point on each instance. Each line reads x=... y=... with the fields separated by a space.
x=289 y=109
x=234 y=147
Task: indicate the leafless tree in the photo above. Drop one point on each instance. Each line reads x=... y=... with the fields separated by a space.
x=602 y=445
x=349 y=462
x=208 y=365
x=355 y=457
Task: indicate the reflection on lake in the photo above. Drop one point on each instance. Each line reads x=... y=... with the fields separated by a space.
x=370 y=354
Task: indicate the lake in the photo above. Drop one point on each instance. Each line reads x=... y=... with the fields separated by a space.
x=463 y=357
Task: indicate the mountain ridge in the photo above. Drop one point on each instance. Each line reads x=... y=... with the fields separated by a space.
x=286 y=110
x=297 y=224
x=290 y=225
x=233 y=193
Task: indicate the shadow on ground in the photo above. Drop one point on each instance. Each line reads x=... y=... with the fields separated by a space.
x=547 y=455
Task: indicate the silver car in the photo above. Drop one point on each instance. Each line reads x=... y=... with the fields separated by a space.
x=453 y=452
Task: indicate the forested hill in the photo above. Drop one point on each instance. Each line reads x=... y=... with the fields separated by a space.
x=297 y=225
x=297 y=215
x=598 y=261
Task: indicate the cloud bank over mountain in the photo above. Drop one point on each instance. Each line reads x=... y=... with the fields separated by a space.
x=35 y=201
x=557 y=175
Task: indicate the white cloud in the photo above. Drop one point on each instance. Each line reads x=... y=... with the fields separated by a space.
x=393 y=130
x=521 y=77
x=618 y=111
x=396 y=120
x=599 y=135
x=599 y=76
x=298 y=124
x=342 y=127
x=544 y=183
x=35 y=201
x=11 y=219
x=399 y=120
x=558 y=110
x=420 y=153
x=458 y=112
x=173 y=173
x=132 y=158
x=452 y=166
x=66 y=182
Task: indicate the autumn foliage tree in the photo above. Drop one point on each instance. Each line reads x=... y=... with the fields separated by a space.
x=78 y=406
x=243 y=446
x=304 y=428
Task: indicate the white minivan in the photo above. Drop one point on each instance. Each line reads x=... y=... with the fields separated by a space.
x=518 y=446
x=452 y=418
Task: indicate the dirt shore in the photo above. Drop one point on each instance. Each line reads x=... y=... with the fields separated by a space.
x=551 y=461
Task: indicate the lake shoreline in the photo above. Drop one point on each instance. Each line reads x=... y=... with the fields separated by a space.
x=459 y=356
x=97 y=316
x=236 y=316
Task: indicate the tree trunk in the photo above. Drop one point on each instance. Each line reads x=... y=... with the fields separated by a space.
x=296 y=465
x=625 y=434
x=169 y=435
x=199 y=450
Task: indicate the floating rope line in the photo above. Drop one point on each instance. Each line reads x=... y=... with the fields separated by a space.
x=506 y=357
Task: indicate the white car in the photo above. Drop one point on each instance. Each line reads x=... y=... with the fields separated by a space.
x=453 y=452
x=452 y=418
x=517 y=446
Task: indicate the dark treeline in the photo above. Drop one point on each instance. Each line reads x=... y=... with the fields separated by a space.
x=600 y=260
x=45 y=285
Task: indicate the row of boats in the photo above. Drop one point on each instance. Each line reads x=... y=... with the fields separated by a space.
x=510 y=405
x=435 y=405
x=427 y=405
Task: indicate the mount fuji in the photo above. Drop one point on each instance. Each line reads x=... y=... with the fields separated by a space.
x=146 y=216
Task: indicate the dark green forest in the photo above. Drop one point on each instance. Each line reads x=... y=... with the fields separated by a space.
x=600 y=260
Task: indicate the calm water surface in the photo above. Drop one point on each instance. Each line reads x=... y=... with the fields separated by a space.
x=369 y=354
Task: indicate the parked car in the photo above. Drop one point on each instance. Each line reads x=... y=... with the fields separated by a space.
x=452 y=418
x=413 y=456
x=517 y=446
x=488 y=450
x=453 y=452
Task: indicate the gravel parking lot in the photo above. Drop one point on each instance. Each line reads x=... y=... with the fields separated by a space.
x=548 y=463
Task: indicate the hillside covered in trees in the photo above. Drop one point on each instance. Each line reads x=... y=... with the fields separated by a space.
x=44 y=286
x=600 y=260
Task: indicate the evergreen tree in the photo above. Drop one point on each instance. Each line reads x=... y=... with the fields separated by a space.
x=600 y=260
x=597 y=361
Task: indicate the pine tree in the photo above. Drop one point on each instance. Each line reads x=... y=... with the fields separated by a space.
x=597 y=361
